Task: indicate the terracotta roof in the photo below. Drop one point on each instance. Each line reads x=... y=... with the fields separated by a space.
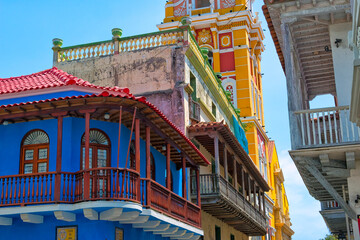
x=274 y=36
x=49 y=78
x=232 y=141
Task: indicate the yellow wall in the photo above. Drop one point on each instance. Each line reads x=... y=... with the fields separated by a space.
x=208 y=224
x=247 y=48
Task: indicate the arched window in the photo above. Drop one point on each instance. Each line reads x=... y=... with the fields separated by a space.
x=152 y=167
x=211 y=57
x=99 y=151
x=35 y=152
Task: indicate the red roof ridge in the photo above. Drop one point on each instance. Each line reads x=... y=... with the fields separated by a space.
x=53 y=77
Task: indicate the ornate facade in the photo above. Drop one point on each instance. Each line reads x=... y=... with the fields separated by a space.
x=231 y=34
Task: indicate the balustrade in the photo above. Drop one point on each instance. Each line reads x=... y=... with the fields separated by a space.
x=164 y=200
x=326 y=126
x=212 y=184
x=127 y=44
x=327 y=205
x=105 y=184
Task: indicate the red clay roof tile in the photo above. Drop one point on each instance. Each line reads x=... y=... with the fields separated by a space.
x=49 y=78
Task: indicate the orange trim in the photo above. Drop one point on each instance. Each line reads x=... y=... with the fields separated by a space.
x=274 y=36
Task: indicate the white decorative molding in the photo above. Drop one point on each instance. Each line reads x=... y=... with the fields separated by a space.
x=111 y=214
x=127 y=216
x=179 y=233
x=4 y=221
x=170 y=230
x=149 y=224
x=160 y=228
x=185 y=236
x=139 y=219
x=65 y=216
x=32 y=218
x=91 y=214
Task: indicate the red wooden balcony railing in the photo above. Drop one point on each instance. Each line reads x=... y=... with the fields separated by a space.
x=167 y=202
x=105 y=184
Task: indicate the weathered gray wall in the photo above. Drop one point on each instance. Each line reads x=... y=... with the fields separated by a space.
x=154 y=73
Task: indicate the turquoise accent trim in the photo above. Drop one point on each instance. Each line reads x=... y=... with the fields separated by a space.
x=240 y=135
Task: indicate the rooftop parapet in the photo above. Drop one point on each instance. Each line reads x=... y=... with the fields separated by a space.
x=180 y=36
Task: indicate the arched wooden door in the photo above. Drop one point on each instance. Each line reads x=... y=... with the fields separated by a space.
x=99 y=158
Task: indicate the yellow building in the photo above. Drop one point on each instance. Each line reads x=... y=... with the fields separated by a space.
x=280 y=217
x=232 y=35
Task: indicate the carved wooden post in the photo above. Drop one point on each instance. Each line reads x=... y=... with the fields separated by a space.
x=217 y=161
x=249 y=186
x=57 y=189
x=259 y=197
x=243 y=181
x=263 y=199
x=137 y=156
x=87 y=150
x=235 y=175
x=226 y=164
x=198 y=187
x=148 y=167
x=184 y=193
x=254 y=193
x=168 y=171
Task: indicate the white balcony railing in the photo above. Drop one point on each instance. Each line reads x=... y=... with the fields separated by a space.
x=326 y=126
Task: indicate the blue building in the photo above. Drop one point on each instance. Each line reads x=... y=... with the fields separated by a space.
x=86 y=162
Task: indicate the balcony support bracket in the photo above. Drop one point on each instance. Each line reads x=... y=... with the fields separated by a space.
x=322 y=180
x=4 y=221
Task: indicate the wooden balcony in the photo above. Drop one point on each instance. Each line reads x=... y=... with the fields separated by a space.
x=325 y=127
x=112 y=184
x=334 y=216
x=222 y=200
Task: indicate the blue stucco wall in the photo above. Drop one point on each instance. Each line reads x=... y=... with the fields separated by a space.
x=93 y=230
x=11 y=136
x=42 y=97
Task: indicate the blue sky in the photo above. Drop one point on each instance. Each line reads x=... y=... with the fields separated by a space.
x=28 y=27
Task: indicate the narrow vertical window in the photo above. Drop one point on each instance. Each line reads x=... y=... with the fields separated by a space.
x=35 y=152
x=217 y=233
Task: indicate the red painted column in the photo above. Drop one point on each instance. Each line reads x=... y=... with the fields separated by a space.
x=57 y=189
x=137 y=156
x=183 y=161
x=148 y=166
x=168 y=182
x=87 y=150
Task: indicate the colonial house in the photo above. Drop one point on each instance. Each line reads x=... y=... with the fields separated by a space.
x=87 y=162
